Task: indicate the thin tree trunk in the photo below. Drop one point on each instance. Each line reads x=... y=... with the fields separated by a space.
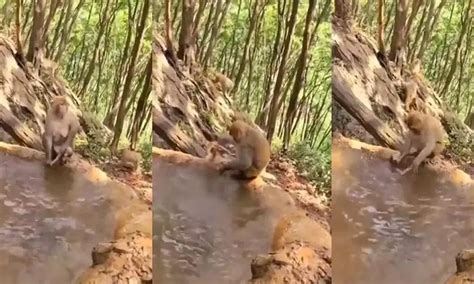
x=36 y=30
x=300 y=68
x=92 y=65
x=187 y=26
x=243 y=59
x=128 y=80
x=142 y=103
x=381 y=36
x=454 y=62
x=398 y=37
x=271 y=122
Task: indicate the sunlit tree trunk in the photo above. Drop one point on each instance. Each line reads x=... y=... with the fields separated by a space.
x=299 y=77
x=36 y=30
x=275 y=101
x=129 y=77
x=398 y=36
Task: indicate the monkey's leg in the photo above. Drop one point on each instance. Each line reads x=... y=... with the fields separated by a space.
x=59 y=154
x=48 y=147
x=66 y=156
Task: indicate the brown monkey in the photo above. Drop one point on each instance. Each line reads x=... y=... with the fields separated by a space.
x=217 y=148
x=130 y=159
x=239 y=115
x=61 y=127
x=425 y=135
x=411 y=88
x=225 y=84
x=252 y=152
x=212 y=151
x=416 y=67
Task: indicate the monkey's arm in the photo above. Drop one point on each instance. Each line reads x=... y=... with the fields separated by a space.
x=74 y=128
x=429 y=147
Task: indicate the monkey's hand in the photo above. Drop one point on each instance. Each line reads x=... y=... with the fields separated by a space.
x=405 y=170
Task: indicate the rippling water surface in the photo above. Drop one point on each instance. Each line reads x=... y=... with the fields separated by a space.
x=394 y=229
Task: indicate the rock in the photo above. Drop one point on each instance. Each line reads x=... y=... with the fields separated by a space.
x=465 y=260
x=294 y=263
x=299 y=227
x=302 y=249
x=464 y=268
x=134 y=218
x=127 y=260
x=100 y=253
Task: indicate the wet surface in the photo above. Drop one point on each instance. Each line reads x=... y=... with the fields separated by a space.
x=394 y=229
x=206 y=229
x=50 y=219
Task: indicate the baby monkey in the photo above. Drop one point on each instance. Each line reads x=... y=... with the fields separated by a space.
x=425 y=137
x=252 y=152
x=225 y=84
x=61 y=127
x=130 y=159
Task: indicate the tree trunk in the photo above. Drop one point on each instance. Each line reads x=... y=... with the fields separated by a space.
x=343 y=10
x=381 y=36
x=95 y=51
x=217 y=24
x=300 y=78
x=271 y=122
x=426 y=30
x=187 y=26
x=128 y=80
x=140 y=111
x=398 y=37
x=465 y=23
x=36 y=30
x=243 y=59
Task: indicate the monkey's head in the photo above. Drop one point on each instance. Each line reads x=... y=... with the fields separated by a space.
x=414 y=122
x=59 y=105
x=238 y=130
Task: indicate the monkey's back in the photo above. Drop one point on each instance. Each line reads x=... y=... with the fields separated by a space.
x=260 y=147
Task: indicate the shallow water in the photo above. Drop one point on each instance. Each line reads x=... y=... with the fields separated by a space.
x=206 y=229
x=50 y=219
x=394 y=229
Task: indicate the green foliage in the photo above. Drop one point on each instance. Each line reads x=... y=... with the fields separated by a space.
x=145 y=149
x=461 y=143
x=316 y=166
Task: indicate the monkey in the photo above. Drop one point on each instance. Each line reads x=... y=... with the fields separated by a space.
x=238 y=115
x=212 y=152
x=416 y=67
x=130 y=159
x=216 y=148
x=400 y=59
x=252 y=152
x=411 y=89
x=425 y=134
x=61 y=127
x=225 y=84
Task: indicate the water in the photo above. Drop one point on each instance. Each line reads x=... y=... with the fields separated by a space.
x=394 y=229
x=206 y=228
x=50 y=219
